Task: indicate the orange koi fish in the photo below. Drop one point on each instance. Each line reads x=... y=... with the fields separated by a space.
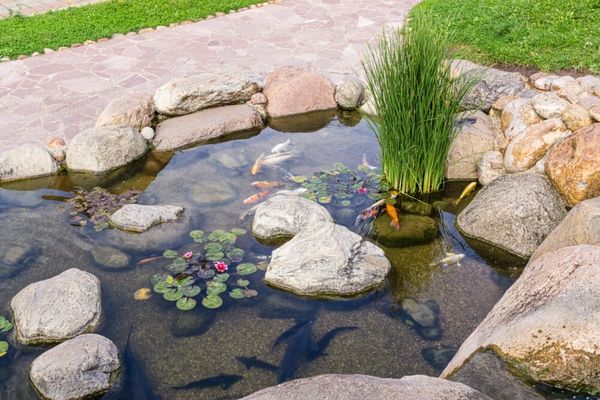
x=257 y=164
x=255 y=197
x=149 y=260
x=393 y=213
x=266 y=184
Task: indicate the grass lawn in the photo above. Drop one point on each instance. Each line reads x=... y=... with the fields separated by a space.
x=25 y=35
x=547 y=34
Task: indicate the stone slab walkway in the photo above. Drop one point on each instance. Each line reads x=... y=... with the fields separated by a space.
x=62 y=93
x=29 y=7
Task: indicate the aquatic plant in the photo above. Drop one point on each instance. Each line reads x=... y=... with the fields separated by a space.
x=97 y=205
x=204 y=271
x=5 y=326
x=416 y=100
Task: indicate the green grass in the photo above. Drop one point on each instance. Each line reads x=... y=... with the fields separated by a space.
x=25 y=35
x=545 y=34
x=416 y=101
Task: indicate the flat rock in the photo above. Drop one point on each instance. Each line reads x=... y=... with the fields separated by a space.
x=135 y=110
x=573 y=165
x=359 y=387
x=327 y=260
x=76 y=369
x=545 y=325
x=513 y=212
x=26 y=161
x=105 y=148
x=490 y=167
x=292 y=91
x=182 y=96
x=476 y=137
x=205 y=125
x=285 y=216
x=58 y=308
x=140 y=218
x=414 y=230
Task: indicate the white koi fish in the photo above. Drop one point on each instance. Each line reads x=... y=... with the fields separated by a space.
x=450 y=259
x=282 y=147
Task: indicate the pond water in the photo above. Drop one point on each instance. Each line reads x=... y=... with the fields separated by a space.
x=172 y=347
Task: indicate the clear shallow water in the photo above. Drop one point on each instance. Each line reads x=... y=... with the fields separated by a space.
x=173 y=347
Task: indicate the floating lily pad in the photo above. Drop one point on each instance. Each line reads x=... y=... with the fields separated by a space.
x=215 y=256
x=213 y=247
x=215 y=288
x=243 y=282
x=216 y=235
x=185 y=303
x=237 y=293
x=228 y=238
x=162 y=287
x=238 y=231
x=142 y=294
x=178 y=265
x=198 y=236
x=206 y=273
x=162 y=277
x=3 y=348
x=325 y=199
x=191 y=291
x=299 y=179
x=173 y=295
x=246 y=269
x=5 y=324
x=346 y=203
x=169 y=254
x=212 y=301
x=185 y=281
x=221 y=277
x=250 y=293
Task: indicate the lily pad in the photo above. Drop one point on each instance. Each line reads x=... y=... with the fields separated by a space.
x=243 y=282
x=299 y=179
x=213 y=247
x=169 y=253
x=3 y=348
x=198 y=236
x=325 y=199
x=216 y=235
x=215 y=288
x=215 y=256
x=162 y=287
x=191 y=291
x=185 y=281
x=185 y=303
x=173 y=295
x=237 y=293
x=246 y=269
x=221 y=277
x=212 y=301
x=346 y=203
x=206 y=273
x=5 y=324
x=156 y=278
x=228 y=238
x=238 y=231
x=142 y=294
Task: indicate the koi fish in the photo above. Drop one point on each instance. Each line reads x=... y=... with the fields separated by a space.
x=365 y=162
x=257 y=164
x=256 y=197
x=266 y=184
x=468 y=190
x=451 y=258
x=282 y=147
x=367 y=215
x=390 y=209
x=274 y=159
x=149 y=260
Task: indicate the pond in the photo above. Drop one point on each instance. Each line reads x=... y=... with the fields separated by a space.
x=410 y=326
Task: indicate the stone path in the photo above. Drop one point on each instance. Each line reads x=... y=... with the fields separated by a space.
x=28 y=7
x=61 y=93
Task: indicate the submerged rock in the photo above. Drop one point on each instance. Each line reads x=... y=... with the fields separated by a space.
x=140 y=218
x=438 y=357
x=26 y=161
x=192 y=324
x=514 y=212
x=15 y=257
x=545 y=325
x=280 y=306
x=414 y=230
x=135 y=110
x=76 y=369
x=58 y=308
x=212 y=193
x=355 y=387
x=422 y=316
x=110 y=257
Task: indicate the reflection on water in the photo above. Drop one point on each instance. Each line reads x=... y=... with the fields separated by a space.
x=410 y=326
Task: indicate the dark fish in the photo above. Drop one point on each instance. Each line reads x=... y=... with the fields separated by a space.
x=223 y=381
x=290 y=332
x=135 y=383
x=299 y=346
x=326 y=339
x=253 y=362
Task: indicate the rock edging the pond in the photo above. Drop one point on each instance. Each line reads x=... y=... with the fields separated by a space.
x=139 y=218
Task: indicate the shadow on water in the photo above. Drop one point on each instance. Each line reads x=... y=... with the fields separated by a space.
x=425 y=310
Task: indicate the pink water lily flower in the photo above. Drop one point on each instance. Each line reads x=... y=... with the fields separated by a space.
x=362 y=190
x=221 y=267
x=188 y=255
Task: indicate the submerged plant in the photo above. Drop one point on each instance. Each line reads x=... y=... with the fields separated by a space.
x=210 y=271
x=416 y=100
x=97 y=205
x=5 y=327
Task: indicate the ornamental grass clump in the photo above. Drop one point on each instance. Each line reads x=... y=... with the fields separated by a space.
x=416 y=100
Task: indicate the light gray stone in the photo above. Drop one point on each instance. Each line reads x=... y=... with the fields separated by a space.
x=589 y=83
x=285 y=216
x=204 y=125
x=362 y=387
x=58 y=308
x=545 y=82
x=76 y=369
x=135 y=110
x=182 y=96
x=517 y=116
x=147 y=133
x=549 y=105
x=140 y=218
x=513 y=212
x=490 y=167
x=105 y=148
x=26 y=161
x=212 y=193
x=563 y=82
x=546 y=322
x=349 y=95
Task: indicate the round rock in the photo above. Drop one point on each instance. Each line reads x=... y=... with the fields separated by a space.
x=110 y=257
x=147 y=133
x=58 y=308
x=76 y=369
x=26 y=161
x=349 y=95
x=212 y=193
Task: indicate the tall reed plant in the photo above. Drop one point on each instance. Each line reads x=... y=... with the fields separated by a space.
x=416 y=100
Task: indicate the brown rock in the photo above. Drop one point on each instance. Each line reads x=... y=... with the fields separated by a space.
x=564 y=82
x=135 y=110
x=545 y=82
x=576 y=117
x=528 y=148
x=535 y=76
x=258 y=98
x=292 y=91
x=517 y=116
x=595 y=113
x=204 y=125
x=588 y=101
x=573 y=165
x=498 y=106
x=55 y=142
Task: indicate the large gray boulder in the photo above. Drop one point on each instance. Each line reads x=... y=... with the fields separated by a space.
x=58 y=308
x=26 y=161
x=359 y=387
x=140 y=218
x=546 y=324
x=135 y=110
x=327 y=260
x=182 y=96
x=76 y=369
x=281 y=217
x=104 y=148
x=205 y=125
x=513 y=212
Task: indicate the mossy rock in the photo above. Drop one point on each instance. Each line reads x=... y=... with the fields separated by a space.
x=414 y=230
